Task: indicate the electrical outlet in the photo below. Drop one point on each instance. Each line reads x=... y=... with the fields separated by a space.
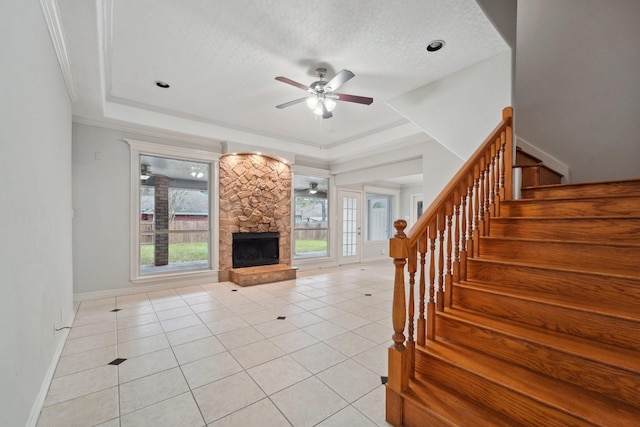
x=381 y=251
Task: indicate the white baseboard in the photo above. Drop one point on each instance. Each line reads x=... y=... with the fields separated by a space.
x=546 y=158
x=46 y=382
x=136 y=289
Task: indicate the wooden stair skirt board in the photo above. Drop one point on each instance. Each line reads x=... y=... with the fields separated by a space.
x=545 y=330
x=249 y=276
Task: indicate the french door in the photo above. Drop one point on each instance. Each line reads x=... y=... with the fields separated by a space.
x=350 y=218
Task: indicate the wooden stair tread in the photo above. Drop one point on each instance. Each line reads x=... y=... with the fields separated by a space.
x=631 y=181
x=450 y=406
x=603 y=308
x=582 y=190
x=612 y=242
x=548 y=200
x=564 y=218
x=560 y=269
x=630 y=269
x=587 y=206
x=538 y=165
x=583 y=228
x=608 y=354
x=579 y=403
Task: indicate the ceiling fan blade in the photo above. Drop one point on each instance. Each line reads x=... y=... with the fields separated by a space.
x=338 y=80
x=353 y=98
x=290 y=103
x=292 y=83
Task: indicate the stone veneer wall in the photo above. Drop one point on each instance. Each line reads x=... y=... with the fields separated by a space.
x=255 y=196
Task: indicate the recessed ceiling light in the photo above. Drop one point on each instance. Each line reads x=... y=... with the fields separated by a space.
x=163 y=85
x=435 y=45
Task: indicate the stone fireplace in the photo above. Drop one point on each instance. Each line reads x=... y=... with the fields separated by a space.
x=255 y=197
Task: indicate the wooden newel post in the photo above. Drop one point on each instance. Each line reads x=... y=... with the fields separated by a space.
x=398 y=353
x=399 y=252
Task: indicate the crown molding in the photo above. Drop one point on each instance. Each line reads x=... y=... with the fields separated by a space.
x=143 y=130
x=54 y=24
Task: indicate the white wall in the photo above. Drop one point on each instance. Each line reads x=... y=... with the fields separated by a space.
x=35 y=184
x=101 y=209
x=460 y=110
x=438 y=167
x=101 y=203
x=577 y=84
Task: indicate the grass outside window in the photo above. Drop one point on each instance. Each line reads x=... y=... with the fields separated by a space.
x=310 y=245
x=178 y=252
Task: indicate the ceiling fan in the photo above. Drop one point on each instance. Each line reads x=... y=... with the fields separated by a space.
x=323 y=96
x=312 y=191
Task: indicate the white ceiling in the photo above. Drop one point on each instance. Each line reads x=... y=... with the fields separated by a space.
x=221 y=59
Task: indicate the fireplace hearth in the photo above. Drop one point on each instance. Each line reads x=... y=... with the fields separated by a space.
x=254 y=249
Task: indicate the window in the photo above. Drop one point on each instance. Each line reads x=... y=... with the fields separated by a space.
x=174 y=215
x=379 y=216
x=171 y=211
x=311 y=217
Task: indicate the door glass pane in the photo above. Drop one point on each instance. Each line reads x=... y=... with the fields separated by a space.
x=379 y=217
x=349 y=226
x=174 y=215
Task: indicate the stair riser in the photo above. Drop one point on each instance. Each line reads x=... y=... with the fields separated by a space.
x=606 y=206
x=587 y=229
x=535 y=175
x=416 y=416
x=438 y=404
x=493 y=395
x=620 y=188
x=622 y=259
x=590 y=374
x=571 y=286
x=584 y=324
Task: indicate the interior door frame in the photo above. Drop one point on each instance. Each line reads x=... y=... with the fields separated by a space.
x=358 y=195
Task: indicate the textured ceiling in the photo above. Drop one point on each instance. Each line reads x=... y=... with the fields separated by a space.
x=221 y=58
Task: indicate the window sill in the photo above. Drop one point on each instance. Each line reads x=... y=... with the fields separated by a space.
x=169 y=277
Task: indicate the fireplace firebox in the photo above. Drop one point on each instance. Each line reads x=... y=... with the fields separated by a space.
x=253 y=249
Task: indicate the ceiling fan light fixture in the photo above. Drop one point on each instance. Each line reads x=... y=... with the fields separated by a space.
x=312 y=102
x=145 y=173
x=313 y=189
x=196 y=172
x=330 y=104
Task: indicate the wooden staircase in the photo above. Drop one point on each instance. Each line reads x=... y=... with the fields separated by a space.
x=532 y=315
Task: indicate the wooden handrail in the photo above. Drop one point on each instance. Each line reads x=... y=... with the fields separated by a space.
x=445 y=236
x=439 y=202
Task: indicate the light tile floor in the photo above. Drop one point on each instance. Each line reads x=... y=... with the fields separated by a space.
x=303 y=352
